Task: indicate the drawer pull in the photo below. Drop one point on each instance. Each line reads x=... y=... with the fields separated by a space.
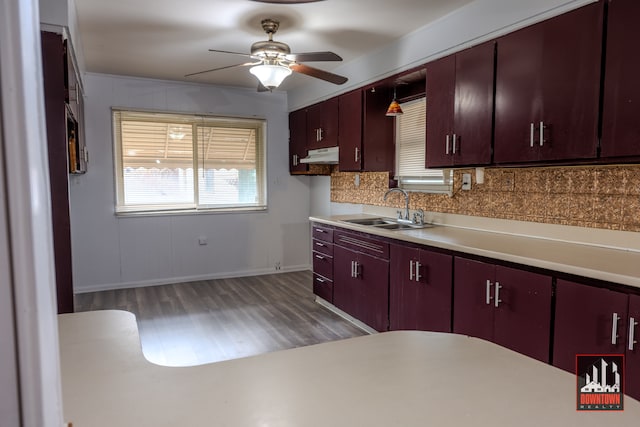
x=410 y=269
x=320 y=230
x=418 y=276
x=319 y=257
x=320 y=244
x=318 y=279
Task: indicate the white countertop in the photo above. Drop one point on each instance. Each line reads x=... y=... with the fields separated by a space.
x=614 y=265
x=389 y=379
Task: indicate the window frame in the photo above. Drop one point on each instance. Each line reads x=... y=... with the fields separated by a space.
x=195 y=120
x=439 y=181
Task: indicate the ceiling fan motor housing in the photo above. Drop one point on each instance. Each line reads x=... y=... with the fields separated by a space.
x=269 y=48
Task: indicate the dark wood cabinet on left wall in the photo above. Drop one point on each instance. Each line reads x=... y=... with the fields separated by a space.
x=63 y=108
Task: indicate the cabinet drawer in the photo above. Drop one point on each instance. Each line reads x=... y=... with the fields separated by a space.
x=323 y=247
x=322 y=233
x=323 y=265
x=323 y=287
x=364 y=244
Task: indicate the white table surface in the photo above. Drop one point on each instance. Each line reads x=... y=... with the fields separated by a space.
x=613 y=265
x=388 y=379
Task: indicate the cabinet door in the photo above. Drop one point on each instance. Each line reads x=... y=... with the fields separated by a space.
x=547 y=79
x=523 y=313
x=422 y=301
x=584 y=322
x=373 y=289
x=633 y=348
x=473 y=113
x=297 y=140
x=473 y=307
x=440 y=93
x=322 y=124
x=378 y=131
x=350 y=131
x=345 y=286
x=620 y=125
x=58 y=149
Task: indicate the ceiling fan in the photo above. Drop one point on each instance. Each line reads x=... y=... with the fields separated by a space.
x=273 y=61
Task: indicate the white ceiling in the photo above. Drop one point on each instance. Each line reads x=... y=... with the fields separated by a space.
x=167 y=39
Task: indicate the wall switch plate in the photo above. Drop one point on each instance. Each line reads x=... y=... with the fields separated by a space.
x=466 y=181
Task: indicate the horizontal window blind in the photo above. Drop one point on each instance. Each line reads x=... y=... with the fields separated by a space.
x=170 y=162
x=410 y=151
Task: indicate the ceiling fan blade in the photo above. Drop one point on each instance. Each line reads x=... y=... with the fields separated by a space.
x=231 y=52
x=319 y=74
x=222 y=68
x=314 y=56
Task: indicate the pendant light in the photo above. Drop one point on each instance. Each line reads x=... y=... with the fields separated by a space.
x=394 y=108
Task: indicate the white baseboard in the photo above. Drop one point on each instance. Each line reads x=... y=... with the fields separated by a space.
x=170 y=280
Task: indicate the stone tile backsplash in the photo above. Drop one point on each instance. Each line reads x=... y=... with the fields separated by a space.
x=606 y=197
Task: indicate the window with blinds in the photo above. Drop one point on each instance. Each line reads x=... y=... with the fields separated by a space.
x=410 y=152
x=177 y=162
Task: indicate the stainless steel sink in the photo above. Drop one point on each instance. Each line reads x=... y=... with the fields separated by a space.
x=386 y=223
x=370 y=221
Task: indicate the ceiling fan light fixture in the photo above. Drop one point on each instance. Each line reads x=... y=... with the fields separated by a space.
x=270 y=75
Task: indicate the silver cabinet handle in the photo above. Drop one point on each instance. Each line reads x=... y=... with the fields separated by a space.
x=295 y=160
x=411 y=270
x=632 y=332
x=322 y=245
x=446 y=145
x=357 y=157
x=454 y=143
x=319 y=256
x=318 y=279
x=541 y=134
x=418 y=277
x=352 y=269
x=319 y=230
x=320 y=134
x=614 y=329
x=488 y=293
x=356 y=269
x=531 y=135
x=497 y=299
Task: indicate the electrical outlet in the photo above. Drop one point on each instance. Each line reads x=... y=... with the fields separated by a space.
x=466 y=181
x=508 y=181
x=278 y=267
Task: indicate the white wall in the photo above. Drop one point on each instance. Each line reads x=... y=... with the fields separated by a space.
x=479 y=21
x=111 y=251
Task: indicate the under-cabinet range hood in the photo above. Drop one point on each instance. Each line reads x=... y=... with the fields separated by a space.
x=324 y=156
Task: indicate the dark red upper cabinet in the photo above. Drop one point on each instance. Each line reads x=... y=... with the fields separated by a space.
x=547 y=89
x=378 y=148
x=350 y=131
x=322 y=124
x=297 y=141
x=620 y=124
x=460 y=108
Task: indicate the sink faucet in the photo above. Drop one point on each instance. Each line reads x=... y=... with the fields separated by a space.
x=406 y=201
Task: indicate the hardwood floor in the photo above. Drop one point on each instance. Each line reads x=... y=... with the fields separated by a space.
x=201 y=322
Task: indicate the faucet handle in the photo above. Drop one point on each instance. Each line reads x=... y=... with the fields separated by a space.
x=399 y=214
x=418 y=215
